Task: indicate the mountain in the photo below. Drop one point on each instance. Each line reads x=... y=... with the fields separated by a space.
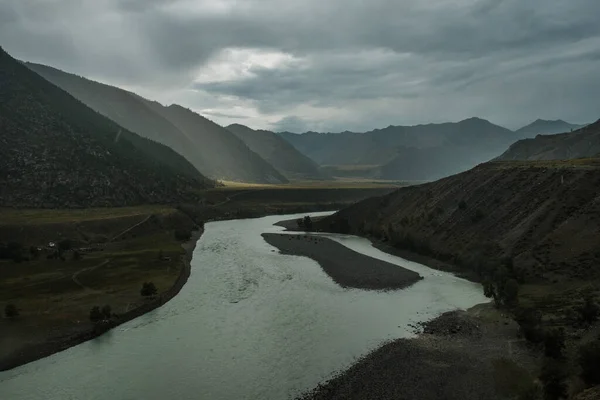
x=546 y=127
x=223 y=154
x=584 y=142
x=278 y=152
x=56 y=152
x=543 y=216
x=420 y=152
x=212 y=149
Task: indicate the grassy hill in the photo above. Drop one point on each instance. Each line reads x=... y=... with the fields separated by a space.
x=56 y=152
x=212 y=149
x=584 y=142
x=278 y=152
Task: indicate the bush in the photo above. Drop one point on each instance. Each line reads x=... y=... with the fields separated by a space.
x=106 y=312
x=307 y=222
x=76 y=255
x=148 y=289
x=589 y=360
x=11 y=311
x=96 y=315
x=462 y=205
x=65 y=245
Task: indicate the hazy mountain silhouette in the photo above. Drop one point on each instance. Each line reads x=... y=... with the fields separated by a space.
x=278 y=152
x=212 y=149
x=57 y=152
x=546 y=127
x=409 y=152
x=584 y=142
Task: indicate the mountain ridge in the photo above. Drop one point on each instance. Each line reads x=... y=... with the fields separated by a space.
x=57 y=152
x=151 y=119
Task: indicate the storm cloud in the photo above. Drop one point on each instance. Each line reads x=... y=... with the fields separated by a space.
x=333 y=66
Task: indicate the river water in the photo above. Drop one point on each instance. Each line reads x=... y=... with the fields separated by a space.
x=250 y=323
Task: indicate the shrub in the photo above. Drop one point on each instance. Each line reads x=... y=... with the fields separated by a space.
x=76 y=255
x=148 y=289
x=106 y=312
x=11 y=311
x=589 y=360
x=96 y=314
x=308 y=223
x=65 y=245
x=462 y=205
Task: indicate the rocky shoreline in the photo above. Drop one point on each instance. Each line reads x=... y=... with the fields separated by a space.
x=42 y=350
x=456 y=356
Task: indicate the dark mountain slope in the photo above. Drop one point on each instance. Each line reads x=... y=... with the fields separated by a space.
x=545 y=127
x=212 y=149
x=278 y=152
x=584 y=142
x=543 y=216
x=224 y=155
x=56 y=152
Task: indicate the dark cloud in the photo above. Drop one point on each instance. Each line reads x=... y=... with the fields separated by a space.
x=351 y=63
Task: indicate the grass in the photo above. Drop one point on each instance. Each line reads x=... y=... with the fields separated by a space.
x=340 y=183
x=9 y=216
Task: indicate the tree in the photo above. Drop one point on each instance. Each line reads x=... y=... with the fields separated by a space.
x=65 y=245
x=300 y=222
x=96 y=315
x=589 y=311
x=553 y=380
x=554 y=343
x=148 y=289
x=106 y=312
x=307 y=223
x=11 y=311
x=76 y=255
x=589 y=360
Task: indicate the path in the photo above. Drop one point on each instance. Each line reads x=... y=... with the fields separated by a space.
x=130 y=228
x=75 y=276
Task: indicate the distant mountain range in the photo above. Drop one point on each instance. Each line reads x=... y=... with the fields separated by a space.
x=239 y=153
x=212 y=149
x=584 y=142
x=545 y=127
x=57 y=152
x=279 y=153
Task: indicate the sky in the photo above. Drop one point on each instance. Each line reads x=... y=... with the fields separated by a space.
x=330 y=65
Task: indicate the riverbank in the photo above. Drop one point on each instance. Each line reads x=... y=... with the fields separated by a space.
x=346 y=267
x=83 y=334
x=461 y=355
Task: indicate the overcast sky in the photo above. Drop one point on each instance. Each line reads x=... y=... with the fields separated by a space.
x=327 y=65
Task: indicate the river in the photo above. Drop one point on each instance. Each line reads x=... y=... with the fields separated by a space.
x=250 y=323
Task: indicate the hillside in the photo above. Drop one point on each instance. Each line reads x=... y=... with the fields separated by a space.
x=212 y=149
x=542 y=216
x=545 y=127
x=278 y=152
x=56 y=152
x=409 y=152
x=584 y=142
